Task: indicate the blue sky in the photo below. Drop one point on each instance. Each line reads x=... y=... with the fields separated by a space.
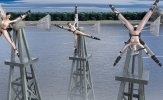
x=40 y=4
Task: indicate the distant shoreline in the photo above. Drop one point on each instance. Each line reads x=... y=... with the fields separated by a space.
x=28 y=23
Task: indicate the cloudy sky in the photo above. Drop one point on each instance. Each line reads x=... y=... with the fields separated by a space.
x=125 y=2
x=33 y=4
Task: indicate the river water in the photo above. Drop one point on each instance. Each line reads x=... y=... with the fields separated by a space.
x=54 y=47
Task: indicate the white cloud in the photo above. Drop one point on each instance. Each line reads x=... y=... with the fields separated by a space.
x=122 y=2
x=114 y=2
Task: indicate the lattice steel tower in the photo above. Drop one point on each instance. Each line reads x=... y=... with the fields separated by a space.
x=133 y=79
x=80 y=86
x=22 y=80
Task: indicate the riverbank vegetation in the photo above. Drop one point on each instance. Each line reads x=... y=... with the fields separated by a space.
x=83 y=16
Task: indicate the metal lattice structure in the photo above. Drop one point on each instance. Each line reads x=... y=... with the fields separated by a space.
x=80 y=86
x=155 y=27
x=133 y=79
x=22 y=80
x=44 y=23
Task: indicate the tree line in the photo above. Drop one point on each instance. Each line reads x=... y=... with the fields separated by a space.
x=83 y=16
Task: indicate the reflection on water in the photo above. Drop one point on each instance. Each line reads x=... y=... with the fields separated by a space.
x=53 y=69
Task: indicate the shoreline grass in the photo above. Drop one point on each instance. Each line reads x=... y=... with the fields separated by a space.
x=86 y=22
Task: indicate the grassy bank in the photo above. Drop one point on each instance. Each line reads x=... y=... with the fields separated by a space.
x=86 y=22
